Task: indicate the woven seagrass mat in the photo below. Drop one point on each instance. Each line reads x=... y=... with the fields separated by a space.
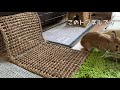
x=51 y=61
x=25 y=46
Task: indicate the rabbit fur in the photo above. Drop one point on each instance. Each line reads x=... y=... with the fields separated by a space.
x=101 y=41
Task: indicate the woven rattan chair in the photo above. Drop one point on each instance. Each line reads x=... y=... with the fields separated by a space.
x=25 y=46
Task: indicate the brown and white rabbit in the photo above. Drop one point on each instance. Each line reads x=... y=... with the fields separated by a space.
x=101 y=41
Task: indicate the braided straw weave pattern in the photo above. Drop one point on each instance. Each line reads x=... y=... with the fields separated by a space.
x=2 y=44
x=21 y=32
x=26 y=48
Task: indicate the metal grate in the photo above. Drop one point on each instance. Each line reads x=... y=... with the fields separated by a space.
x=50 y=17
x=55 y=17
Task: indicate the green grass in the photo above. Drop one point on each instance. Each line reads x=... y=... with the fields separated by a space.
x=97 y=67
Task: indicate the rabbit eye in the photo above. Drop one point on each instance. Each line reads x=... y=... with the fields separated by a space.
x=117 y=46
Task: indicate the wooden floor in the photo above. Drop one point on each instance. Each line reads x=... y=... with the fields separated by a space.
x=99 y=28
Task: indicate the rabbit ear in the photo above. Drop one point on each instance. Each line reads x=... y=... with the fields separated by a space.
x=113 y=35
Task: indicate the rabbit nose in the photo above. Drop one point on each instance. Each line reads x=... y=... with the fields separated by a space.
x=117 y=49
